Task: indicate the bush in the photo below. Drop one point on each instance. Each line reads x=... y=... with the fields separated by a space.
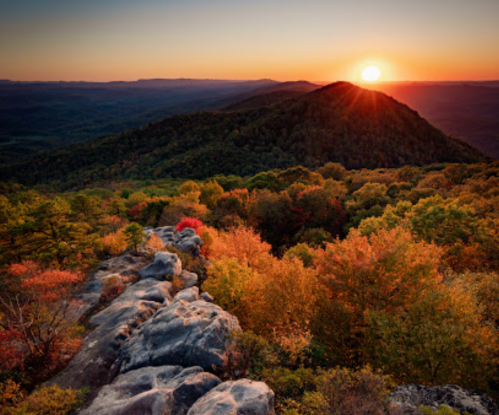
x=346 y=392
x=48 y=400
x=193 y=223
x=113 y=287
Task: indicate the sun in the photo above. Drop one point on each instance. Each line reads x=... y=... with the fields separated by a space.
x=371 y=74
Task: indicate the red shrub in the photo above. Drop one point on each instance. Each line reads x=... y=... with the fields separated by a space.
x=193 y=223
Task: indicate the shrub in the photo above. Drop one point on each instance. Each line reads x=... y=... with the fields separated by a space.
x=193 y=223
x=347 y=392
x=250 y=354
x=49 y=400
x=113 y=287
x=155 y=244
x=115 y=243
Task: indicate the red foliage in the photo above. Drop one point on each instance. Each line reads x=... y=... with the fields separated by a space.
x=193 y=223
x=48 y=286
x=41 y=321
x=112 y=289
x=135 y=211
x=12 y=350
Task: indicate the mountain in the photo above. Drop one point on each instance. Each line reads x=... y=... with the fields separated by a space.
x=467 y=110
x=37 y=116
x=340 y=123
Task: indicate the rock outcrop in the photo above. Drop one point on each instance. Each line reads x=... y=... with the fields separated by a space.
x=164 y=265
x=165 y=390
x=188 y=332
x=185 y=241
x=188 y=279
x=151 y=353
x=241 y=397
x=122 y=268
x=409 y=397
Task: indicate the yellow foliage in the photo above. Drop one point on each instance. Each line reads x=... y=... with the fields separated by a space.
x=115 y=243
x=48 y=400
x=155 y=244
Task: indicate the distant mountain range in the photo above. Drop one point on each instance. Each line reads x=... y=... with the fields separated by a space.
x=340 y=122
x=37 y=116
x=466 y=110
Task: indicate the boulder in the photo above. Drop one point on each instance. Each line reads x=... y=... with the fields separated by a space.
x=188 y=279
x=122 y=268
x=206 y=297
x=164 y=265
x=186 y=240
x=187 y=332
x=91 y=365
x=164 y=390
x=241 y=397
x=147 y=290
x=409 y=397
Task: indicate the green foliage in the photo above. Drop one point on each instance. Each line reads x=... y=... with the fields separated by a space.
x=437 y=339
x=340 y=123
x=344 y=392
x=134 y=235
x=210 y=193
x=226 y=282
x=442 y=410
x=303 y=252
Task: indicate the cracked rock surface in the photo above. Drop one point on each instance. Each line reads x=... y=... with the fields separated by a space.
x=240 y=397
x=188 y=332
x=165 y=390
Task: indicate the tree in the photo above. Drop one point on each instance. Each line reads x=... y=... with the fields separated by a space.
x=210 y=193
x=134 y=235
x=48 y=234
x=385 y=272
x=40 y=321
x=437 y=339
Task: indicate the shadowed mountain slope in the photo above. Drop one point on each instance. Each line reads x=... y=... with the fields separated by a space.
x=340 y=122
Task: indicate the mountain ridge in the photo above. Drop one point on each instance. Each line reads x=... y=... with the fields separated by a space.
x=339 y=122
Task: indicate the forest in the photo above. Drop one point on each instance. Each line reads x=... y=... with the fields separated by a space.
x=339 y=123
x=383 y=276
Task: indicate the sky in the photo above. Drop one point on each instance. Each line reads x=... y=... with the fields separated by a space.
x=315 y=40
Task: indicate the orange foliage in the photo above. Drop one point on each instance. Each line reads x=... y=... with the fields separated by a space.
x=387 y=270
x=155 y=244
x=266 y=291
x=40 y=323
x=115 y=243
x=241 y=243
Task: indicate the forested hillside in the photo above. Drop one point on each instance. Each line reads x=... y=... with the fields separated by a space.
x=340 y=123
x=36 y=116
x=345 y=283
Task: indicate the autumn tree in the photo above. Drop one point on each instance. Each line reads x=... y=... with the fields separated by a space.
x=384 y=272
x=210 y=193
x=40 y=321
x=438 y=338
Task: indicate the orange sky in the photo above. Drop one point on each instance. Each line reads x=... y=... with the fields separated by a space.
x=317 y=40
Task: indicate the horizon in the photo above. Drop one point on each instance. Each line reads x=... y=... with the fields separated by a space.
x=322 y=83
x=105 y=41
